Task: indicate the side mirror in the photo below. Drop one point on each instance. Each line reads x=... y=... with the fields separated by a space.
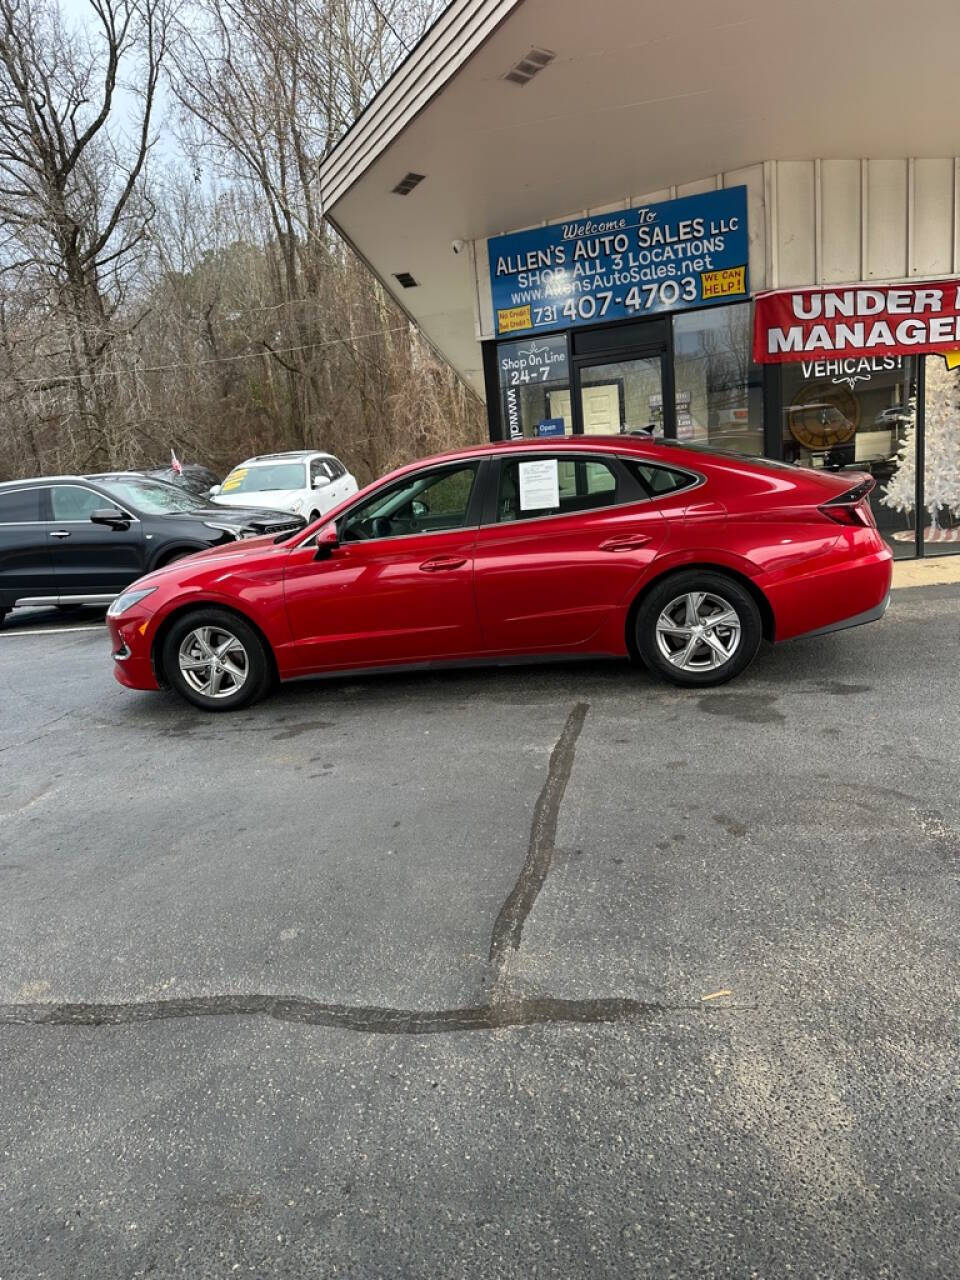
x=320 y=482
x=214 y=490
x=327 y=541
x=112 y=517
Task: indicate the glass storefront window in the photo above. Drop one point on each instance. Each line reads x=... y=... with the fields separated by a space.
x=941 y=450
x=858 y=413
x=621 y=395
x=535 y=387
x=719 y=392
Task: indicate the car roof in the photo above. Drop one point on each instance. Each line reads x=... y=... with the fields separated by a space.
x=296 y=455
x=30 y=480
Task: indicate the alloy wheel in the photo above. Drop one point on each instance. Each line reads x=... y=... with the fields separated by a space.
x=213 y=662
x=698 y=631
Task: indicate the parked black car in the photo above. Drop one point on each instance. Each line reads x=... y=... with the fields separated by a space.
x=72 y=540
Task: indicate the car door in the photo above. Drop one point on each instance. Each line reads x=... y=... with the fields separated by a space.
x=91 y=559
x=399 y=586
x=26 y=565
x=570 y=538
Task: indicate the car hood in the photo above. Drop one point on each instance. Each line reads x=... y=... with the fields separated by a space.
x=253 y=549
x=269 y=499
x=243 y=517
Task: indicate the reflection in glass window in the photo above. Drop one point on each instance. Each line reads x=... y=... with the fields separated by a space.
x=859 y=414
x=71 y=502
x=941 y=478
x=719 y=392
x=534 y=386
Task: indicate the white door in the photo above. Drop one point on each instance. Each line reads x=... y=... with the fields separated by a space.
x=601 y=409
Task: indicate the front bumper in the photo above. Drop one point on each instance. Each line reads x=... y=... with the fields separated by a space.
x=131 y=651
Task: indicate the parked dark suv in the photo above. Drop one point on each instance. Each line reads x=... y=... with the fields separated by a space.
x=72 y=540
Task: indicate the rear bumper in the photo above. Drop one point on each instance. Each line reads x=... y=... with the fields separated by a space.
x=858 y=620
x=852 y=588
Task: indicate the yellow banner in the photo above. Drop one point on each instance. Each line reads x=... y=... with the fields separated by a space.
x=718 y=284
x=952 y=358
x=514 y=318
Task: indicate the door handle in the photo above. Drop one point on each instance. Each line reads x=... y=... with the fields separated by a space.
x=440 y=563
x=630 y=542
x=59 y=533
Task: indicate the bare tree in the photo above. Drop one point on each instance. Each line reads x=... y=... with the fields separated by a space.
x=73 y=197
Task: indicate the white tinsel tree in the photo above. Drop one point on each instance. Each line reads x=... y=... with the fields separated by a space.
x=941 y=480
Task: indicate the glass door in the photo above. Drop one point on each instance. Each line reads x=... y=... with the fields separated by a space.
x=617 y=396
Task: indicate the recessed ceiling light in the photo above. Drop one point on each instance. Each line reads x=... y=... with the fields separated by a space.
x=406 y=185
x=523 y=71
x=406 y=279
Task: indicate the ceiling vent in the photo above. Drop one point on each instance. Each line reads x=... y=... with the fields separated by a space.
x=406 y=279
x=527 y=67
x=406 y=185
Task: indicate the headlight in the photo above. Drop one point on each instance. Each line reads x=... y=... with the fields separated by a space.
x=127 y=599
x=224 y=528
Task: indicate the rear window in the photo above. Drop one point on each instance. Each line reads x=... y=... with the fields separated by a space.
x=20 y=506
x=656 y=480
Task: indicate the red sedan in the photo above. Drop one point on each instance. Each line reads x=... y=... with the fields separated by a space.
x=681 y=557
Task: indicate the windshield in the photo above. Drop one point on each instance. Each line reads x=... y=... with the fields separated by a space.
x=279 y=475
x=153 y=496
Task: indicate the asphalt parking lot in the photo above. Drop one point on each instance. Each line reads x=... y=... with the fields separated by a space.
x=548 y=971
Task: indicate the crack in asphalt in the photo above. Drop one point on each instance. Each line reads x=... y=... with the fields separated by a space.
x=508 y=929
x=301 y=1009
x=499 y=1012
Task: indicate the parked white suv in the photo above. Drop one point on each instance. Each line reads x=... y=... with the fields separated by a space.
x=307 y=483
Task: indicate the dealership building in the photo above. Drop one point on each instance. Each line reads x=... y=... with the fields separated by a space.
x=732 y=223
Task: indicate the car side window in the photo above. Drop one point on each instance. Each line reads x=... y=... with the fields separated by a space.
x=425 y=502
x=656 y=481
x=550 y=486
x=22 y=506
x=72 y=502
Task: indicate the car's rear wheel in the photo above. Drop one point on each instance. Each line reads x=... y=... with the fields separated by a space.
x=698 y=628
x=216 y=660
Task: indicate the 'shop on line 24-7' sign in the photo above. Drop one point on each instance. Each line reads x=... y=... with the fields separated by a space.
x=672 y=256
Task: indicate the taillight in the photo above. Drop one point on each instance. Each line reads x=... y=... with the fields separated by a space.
x=852 y=507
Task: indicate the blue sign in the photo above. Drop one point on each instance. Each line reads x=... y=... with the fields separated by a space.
x=550 y=427
x=691 y=252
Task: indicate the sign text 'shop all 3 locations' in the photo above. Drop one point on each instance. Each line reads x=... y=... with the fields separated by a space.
x=672 y=256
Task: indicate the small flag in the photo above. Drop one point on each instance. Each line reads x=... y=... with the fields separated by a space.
x=176 y=463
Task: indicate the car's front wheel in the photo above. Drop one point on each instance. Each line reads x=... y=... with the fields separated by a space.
x=698 y=628
x=216 y=660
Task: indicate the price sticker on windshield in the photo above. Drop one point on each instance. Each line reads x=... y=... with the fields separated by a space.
x=234 y=480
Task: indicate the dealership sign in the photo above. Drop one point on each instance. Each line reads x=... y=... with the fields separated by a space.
x=671 y=256
x=867 y=321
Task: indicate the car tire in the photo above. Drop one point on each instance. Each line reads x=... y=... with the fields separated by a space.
x=314 y=515
x=691 y=653
x=217 y=649
x=3 y=614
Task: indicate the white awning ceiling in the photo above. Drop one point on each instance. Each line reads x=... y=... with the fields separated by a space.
x=642 y=95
